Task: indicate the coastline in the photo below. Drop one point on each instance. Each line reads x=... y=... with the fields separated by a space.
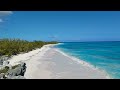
x=51 y=63
x=84 y=63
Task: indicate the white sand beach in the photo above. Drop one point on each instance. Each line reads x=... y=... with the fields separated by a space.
x=50 y=63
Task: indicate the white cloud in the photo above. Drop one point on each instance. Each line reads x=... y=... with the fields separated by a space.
x=4 y=14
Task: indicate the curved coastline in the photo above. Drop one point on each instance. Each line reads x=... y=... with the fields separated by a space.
x=84 y=63
x=50 y=62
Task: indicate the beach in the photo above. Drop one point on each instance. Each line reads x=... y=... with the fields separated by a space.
x=51 y=63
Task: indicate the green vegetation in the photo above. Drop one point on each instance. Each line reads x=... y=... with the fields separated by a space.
x=4 y=70
x=15 y=46
x=13 y=67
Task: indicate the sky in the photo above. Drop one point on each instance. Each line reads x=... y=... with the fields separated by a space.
x=61 y=25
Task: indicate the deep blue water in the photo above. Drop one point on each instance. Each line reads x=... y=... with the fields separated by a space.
x=103 y=55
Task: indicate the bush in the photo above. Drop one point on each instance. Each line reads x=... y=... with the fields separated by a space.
x=15 y=46
x=4 y=70
x=13 y=67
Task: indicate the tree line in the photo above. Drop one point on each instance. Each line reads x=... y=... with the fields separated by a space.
x=10 y=47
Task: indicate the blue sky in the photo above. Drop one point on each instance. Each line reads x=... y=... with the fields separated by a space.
x=62 y=25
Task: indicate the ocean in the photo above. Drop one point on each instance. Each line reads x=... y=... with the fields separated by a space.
x=102 y=55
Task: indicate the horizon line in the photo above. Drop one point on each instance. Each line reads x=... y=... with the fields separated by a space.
x=91 y=41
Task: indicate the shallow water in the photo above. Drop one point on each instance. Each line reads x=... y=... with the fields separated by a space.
x=103 y=55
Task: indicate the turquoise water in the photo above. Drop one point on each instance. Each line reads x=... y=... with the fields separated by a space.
x=103 y=55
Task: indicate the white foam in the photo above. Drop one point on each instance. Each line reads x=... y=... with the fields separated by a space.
x=57 y=44
x=82 y=62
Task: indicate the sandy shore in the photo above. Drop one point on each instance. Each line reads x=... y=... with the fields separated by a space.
x=50 y=63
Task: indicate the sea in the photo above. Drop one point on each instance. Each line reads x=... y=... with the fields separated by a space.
x=104 y=55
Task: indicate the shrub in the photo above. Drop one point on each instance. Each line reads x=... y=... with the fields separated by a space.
x=4 y=70
x=15 y=46
x=13 y=67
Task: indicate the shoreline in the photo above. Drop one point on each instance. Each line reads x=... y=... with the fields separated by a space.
x=52 y=63
x=84 y=63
